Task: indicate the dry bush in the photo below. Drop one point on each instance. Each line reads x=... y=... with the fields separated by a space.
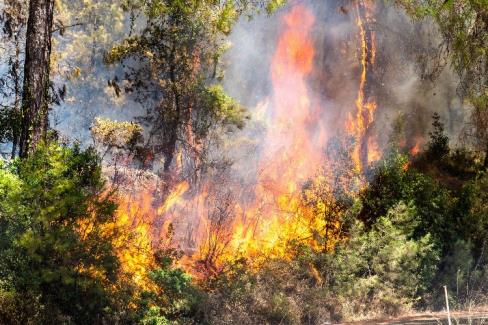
x=281 y=292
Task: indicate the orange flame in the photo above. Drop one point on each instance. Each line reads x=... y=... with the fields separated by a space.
x=415 y=149
x=366 y=148
x=374 y=153
x=277 y=214
x=174 y=197
x=292 y=155
x=134 y=243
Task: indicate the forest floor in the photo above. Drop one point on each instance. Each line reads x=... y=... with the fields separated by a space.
x=457 y=318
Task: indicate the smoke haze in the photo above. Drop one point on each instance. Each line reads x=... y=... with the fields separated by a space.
x=298 y=71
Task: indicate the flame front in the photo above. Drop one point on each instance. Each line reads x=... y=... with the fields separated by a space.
x=279 y=208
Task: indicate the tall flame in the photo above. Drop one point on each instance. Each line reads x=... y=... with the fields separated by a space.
x=291 y=154
x=366 y=149
x=288 y=147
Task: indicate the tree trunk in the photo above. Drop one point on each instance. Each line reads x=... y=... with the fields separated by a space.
x=17 y=101
x=485 y=164
x=35 y=95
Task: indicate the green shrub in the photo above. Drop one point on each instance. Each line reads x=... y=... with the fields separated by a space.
x=53 y=244
x=381 y=271
x=172 y=297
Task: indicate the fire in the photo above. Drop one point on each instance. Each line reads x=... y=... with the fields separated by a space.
x=135 y=235
x=406 y=166
x=415 y=149
x=360 y=124
x=134 y=242
x=280 y=209
x=174 y=197
x=278 y=215
x=287 y=138
x=374 y=153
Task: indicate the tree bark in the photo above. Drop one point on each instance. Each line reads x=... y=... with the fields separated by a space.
x=485 y=164
x=17 y=101
x=35 y=97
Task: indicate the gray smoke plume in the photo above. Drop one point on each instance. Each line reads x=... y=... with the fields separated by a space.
x=405 y=87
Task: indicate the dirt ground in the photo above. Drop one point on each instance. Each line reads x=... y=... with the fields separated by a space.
x=457 y=318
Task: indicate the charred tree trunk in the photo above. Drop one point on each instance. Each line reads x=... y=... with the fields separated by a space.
x=35 y=95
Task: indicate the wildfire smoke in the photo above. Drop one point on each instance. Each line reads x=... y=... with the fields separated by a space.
x=291 y=196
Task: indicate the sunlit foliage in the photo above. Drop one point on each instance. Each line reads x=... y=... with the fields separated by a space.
x=174 y=66
x=46 y=251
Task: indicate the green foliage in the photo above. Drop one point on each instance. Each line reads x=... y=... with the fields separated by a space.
x=446 y=190
x=380 y=271
x=178 y=53
x=476 y=195
x=438 y=146
x=172 y=297
x=225 y=109
x=375 y=272
x=153 y=317
x=227 y=17
x=113 y=134
x=395 y=182
x=21 y=309
x=465 y=266
x=391 y=183
x=274 y=5
x=463 y=25
x=53 y=241
x=281 y=291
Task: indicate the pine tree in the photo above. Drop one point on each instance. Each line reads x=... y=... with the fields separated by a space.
x=35 y=97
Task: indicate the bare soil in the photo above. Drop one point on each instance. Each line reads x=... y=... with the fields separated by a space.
x=457 y=318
